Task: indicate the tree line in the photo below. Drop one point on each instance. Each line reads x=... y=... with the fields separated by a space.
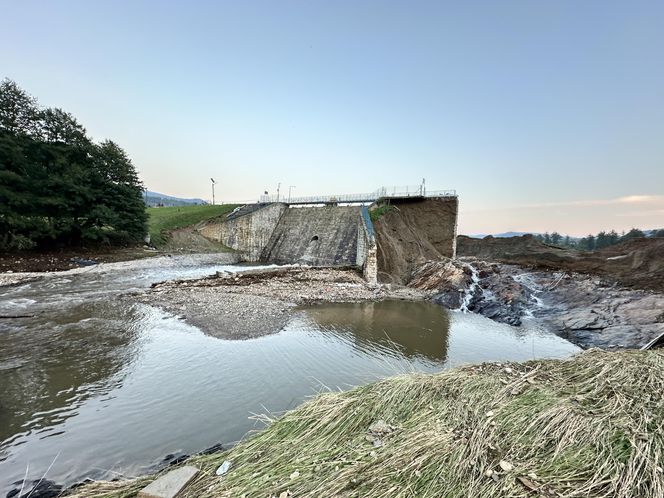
x=592 y=242
x=57 y=187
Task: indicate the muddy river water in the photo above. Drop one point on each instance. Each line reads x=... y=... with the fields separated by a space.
x=96 y=386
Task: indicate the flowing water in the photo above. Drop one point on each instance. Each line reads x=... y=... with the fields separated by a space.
x=91 y=386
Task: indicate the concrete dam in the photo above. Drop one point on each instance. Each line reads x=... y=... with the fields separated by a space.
x=406 y=229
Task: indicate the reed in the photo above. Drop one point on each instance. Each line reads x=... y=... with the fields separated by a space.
x=590 y=426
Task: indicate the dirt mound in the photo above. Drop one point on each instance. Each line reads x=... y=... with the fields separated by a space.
x=412 y=232
x=636 y=263
x=524 y=250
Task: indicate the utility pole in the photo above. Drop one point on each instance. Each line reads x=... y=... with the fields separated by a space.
x=213 y=182
x=278 y=188
x=289 y=191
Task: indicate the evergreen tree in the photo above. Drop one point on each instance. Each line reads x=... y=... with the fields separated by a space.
x=56 y=186
x=613 y=237
x=633 y=234
x=18 y=110
x=555 y=238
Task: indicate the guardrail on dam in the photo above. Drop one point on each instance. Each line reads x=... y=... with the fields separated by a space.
x=384 y=193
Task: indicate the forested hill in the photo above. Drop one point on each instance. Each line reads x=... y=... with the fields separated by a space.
x=57 y=187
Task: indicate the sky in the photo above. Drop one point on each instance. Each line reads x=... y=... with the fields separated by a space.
x=543 y=115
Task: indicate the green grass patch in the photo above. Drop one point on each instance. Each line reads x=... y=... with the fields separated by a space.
x=379 y=211
x=164 y=219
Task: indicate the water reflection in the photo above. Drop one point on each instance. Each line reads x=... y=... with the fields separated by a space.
x=410 y=329
x=48 y=368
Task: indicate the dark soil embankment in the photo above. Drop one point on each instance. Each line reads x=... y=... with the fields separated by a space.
x=66 y=259
x=413 y=232
x=637 y=263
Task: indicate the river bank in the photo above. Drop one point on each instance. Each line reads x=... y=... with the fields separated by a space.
x=67 y=259
x=588 y=310
x=551 y=428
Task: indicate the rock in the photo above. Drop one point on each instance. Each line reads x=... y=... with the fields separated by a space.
x=217 y=448
x=83 y=261
x=170 y=484
x=40 y=489
x=175 y=459
x=380 y=428
x=449 y=300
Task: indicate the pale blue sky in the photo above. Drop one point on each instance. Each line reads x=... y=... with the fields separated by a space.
x=544 y=115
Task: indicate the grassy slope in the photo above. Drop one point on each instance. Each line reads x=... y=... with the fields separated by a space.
x=590 y=426
x=165 y=219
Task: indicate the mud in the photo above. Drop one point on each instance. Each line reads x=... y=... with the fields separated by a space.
x=587 y=310
x=29 y=261
x=636 y=263
x=594 y=312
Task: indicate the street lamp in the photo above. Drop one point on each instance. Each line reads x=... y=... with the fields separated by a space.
x=278 y=189
x=289 y=191
x=213 y=182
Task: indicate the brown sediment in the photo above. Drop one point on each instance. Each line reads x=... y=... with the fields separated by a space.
x=637 y=263
x=412 y=232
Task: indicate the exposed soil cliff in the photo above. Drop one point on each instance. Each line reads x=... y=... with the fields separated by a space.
x=413 y=232
x=637 y=263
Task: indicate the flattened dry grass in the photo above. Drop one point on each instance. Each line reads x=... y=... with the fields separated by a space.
x=589 y=426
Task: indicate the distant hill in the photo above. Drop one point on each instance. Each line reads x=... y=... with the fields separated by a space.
x=500 y=235
x=156 y=199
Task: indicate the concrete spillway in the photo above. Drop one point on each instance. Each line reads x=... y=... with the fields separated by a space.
x=318 y=236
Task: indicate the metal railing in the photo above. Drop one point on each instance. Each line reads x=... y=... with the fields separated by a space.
x=368 y=225
x=381 y=193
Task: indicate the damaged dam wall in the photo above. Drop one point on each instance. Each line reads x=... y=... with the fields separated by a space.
x=317 y=236
x=409 y=232
x=413 y=231
x=248 y=231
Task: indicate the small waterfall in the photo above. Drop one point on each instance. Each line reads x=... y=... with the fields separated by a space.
x=474 y=286
x=532 y=290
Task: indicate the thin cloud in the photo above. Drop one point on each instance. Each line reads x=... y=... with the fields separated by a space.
x=625 y=200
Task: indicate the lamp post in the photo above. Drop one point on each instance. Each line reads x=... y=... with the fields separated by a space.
x=213 y=182
x=289 y=192
x=278 y=188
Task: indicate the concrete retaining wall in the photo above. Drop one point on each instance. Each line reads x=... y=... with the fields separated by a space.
x=248 y=233
x=366 y=248
x=317 y=236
